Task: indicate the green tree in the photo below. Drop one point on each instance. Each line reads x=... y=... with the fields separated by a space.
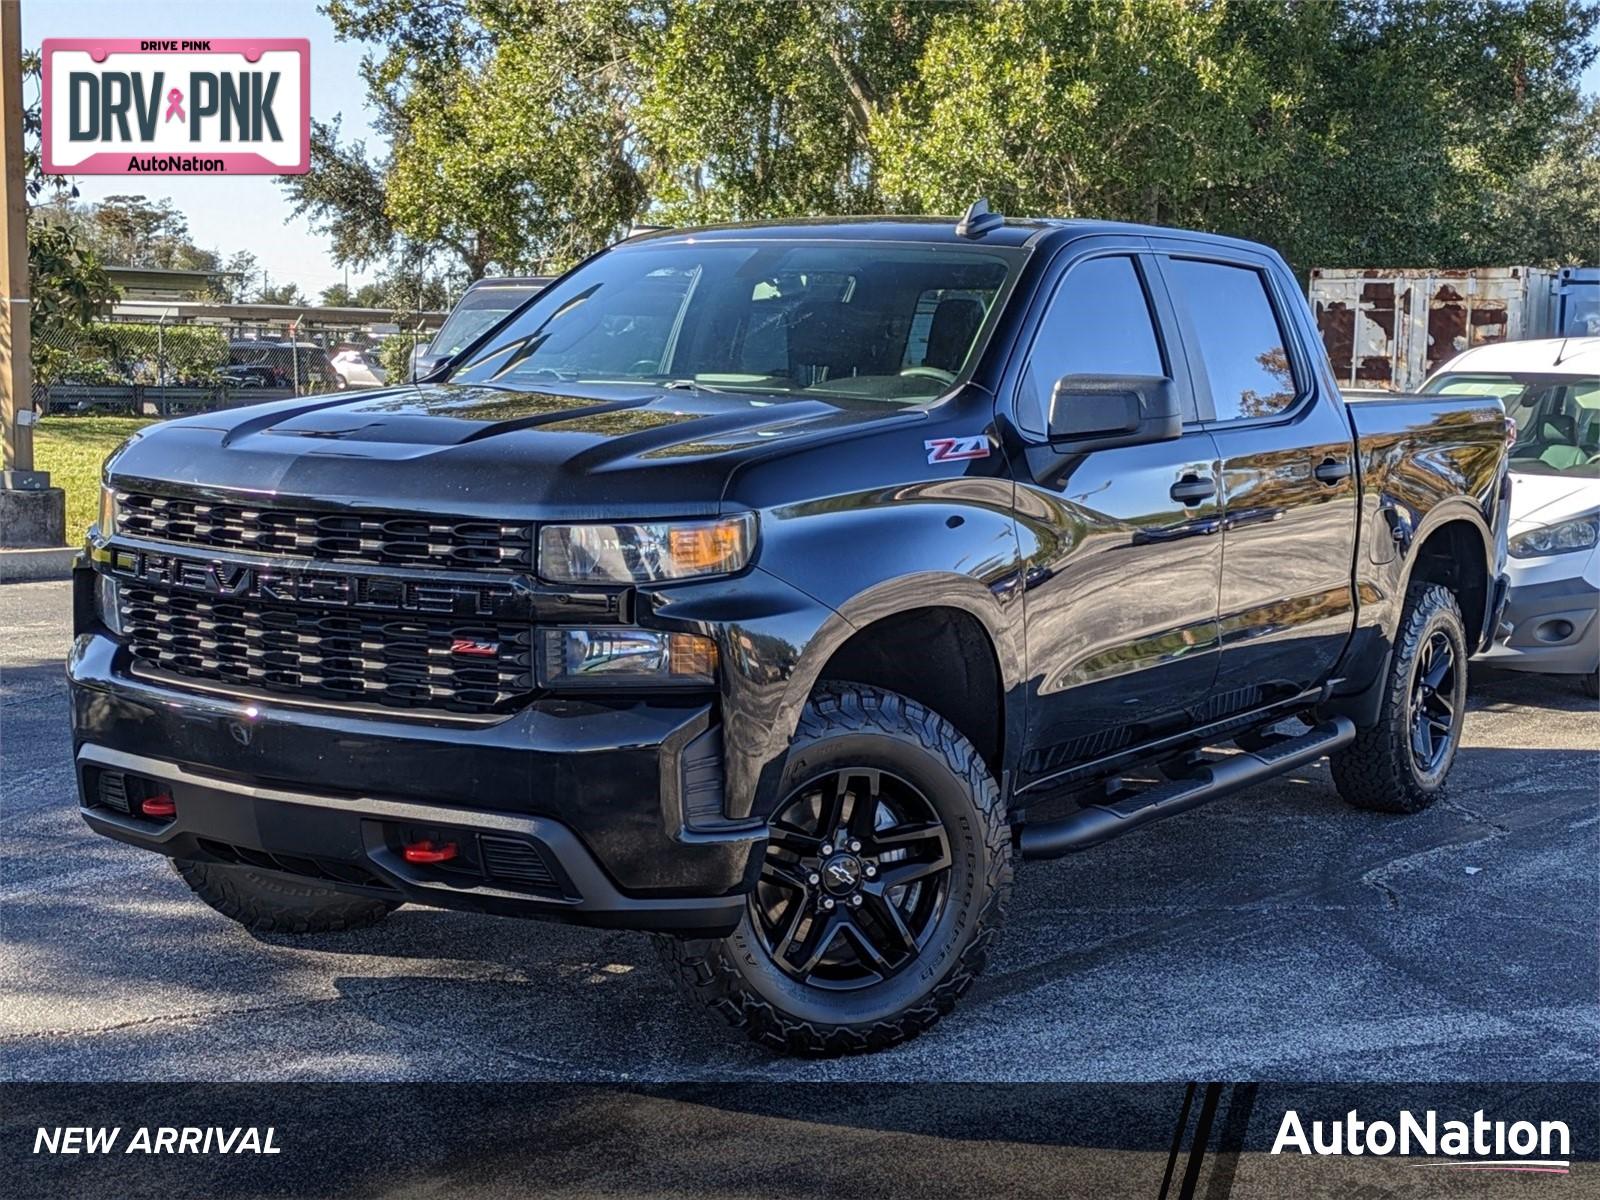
x=768 y=110
x=280 y=293
x=343 y=196
x=68 y=289
x=368 y=295
x=524 y=134
x=135 y=231
x=1407 y=120
x=1130 y=110
x=1551 y=214
x=240 y=276
x=67 y=284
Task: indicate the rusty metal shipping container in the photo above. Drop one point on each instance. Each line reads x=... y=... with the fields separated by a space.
x=1390 y=328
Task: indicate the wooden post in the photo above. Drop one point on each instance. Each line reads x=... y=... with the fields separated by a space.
x=16 y=374
x=32 y=513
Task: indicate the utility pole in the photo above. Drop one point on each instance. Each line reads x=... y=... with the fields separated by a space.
x=32 y=513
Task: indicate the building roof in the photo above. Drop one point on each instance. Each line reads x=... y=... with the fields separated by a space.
x=161 y=282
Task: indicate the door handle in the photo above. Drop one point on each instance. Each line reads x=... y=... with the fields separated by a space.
x=1332 y=470
x=1191 y=489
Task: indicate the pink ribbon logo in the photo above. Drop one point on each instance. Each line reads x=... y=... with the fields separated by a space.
x=175 y=105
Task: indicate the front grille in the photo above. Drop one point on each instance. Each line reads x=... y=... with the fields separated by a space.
x=405 y=662
x=388 y=539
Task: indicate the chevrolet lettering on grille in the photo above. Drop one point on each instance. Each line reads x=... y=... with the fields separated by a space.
x=331 y=589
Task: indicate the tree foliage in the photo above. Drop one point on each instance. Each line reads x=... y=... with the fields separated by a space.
x=525 y=134
x=132 y=231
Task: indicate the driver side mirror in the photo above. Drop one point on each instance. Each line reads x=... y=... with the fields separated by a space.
x=1099 y=412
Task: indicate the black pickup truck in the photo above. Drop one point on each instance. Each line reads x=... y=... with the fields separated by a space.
x=774 y=588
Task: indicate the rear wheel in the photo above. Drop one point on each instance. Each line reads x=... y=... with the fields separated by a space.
x=887 y=869
x=1399 y=765
x=268 y=902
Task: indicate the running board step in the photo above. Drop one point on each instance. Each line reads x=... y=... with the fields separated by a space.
x=1097 y=823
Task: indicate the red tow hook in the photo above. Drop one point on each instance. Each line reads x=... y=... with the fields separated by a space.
x=427 y=852
x=160 y=807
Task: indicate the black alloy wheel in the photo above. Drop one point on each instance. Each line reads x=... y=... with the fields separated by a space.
x=879 y=892
x=856 y=877
x=1399 y=763
x=1435 y=722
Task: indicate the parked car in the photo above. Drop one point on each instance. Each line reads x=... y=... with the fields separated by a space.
x=775 y=588
x=358 y=366
x=259 y=362
x=483 y=304
x=1551 y=388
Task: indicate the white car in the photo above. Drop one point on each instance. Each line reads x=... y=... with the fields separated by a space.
x=359 y=368
x=1551 y=388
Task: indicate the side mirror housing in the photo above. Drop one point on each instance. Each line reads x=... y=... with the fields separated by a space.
x=1099 y=412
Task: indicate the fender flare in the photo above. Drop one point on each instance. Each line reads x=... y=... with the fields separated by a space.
x=888 y=599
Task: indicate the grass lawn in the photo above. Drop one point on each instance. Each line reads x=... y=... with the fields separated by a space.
x=72 y=449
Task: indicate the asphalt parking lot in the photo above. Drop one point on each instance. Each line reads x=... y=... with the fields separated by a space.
x=1275 y=935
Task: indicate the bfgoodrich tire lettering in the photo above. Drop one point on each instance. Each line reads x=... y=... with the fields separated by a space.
x=848 y=729
x=268 y=902
x=1383 y=770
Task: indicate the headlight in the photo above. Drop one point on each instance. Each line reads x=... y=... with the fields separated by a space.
x=654 y=552
x=617 y=657
x=1579 y=533
x=110 y=510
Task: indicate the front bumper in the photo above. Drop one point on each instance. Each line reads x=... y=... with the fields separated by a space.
x=1554 y=628
x=595 y=794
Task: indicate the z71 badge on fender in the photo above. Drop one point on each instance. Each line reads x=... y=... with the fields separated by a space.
x=954 y=449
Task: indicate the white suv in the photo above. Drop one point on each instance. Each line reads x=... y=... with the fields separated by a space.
x=1551 y=388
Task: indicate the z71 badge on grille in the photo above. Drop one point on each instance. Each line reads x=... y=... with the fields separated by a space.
x=954 y=449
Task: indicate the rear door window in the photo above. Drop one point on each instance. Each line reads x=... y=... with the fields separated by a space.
x=1246 y=353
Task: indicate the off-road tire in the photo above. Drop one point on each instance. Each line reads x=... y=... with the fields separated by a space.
x=737 y=980
x=267 y=902
x=1377 y=771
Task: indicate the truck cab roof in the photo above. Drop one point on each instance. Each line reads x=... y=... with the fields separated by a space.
x=1007 y=231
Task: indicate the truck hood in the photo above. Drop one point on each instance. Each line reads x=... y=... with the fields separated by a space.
x=589 y=451
x=1548 y=499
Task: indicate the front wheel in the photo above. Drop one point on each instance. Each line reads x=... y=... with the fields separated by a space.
x=1399 y=765
x=887 y=870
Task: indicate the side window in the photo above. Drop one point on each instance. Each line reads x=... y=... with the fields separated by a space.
x=1098 y=323
x=1247 y=360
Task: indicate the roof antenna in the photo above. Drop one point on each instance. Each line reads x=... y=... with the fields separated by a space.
x=978 y=220
x=1561 y=352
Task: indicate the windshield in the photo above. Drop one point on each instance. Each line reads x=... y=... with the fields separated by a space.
x=1558 y=418
x=872 y=321
x=471 y=318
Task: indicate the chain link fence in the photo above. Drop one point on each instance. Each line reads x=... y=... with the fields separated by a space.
x=141 y=365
